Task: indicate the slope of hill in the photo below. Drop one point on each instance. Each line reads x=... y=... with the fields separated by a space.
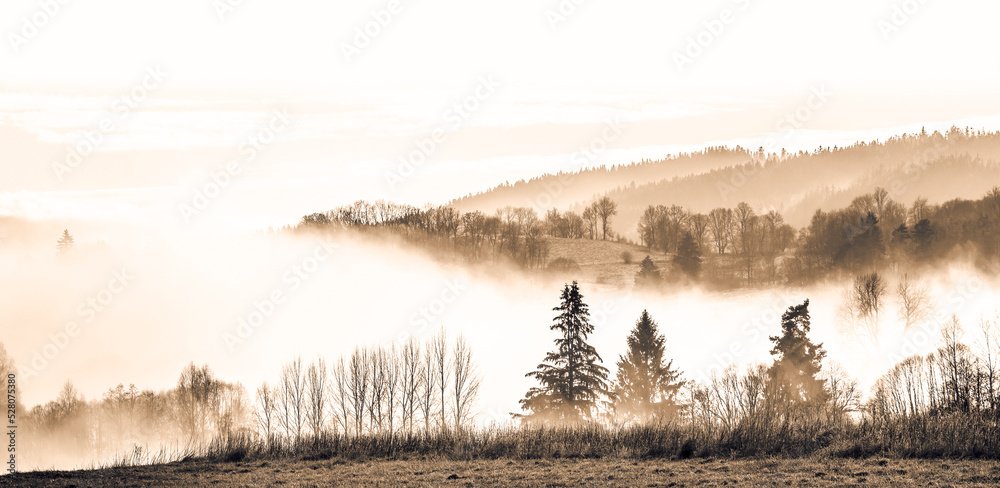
x=567 y=189
x=936 y=166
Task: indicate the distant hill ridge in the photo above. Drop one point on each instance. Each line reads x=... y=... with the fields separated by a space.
x=937 y=166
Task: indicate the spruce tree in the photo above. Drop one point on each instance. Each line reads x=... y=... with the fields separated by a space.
x=646 y=388
x=571 y=377
x=688 y=257
x=65 y=243
x=648 y=272
x=792 y=379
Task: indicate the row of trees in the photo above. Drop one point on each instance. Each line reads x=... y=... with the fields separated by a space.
x=595 y=222
x=513 y=233
x=876 y=232
x=71 y=428
x=573 y=385
x=409 y=389
x=753 y=241
x=413 y=388
x=739 y=244
x=953 y=378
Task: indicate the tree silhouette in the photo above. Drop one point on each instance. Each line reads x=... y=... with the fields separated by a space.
x=792 y=377
x=645 y=388
x=648 y=272
x=65 y=244
x=688 y=257
x=605 y=208
x=572 y=378
x=923 y=236
x=863 y=305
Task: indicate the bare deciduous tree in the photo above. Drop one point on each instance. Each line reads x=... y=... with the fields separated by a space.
x=465 y=383
x=357 y=387
x=604 y=209
x=720 y=224
x=264 y=413
x=914 y=302
x=197 y=401
x=428 y=387
x=341 y=395
x=989 y=357
x=442 y=370
x=318 y=400
x=863 y=304
x=378 y=390
x=391 y=367
x=409 y=383
x=292 y=400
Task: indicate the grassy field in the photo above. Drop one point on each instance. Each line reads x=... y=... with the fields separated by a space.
x=601 y=262
x=553 y=473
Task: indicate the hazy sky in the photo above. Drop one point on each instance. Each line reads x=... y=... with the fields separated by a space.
x=173 y=92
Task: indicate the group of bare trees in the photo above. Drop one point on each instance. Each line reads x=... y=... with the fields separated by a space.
x=515 y=233
x=794 y=394
x=872 y=232
x=71 y=428
x=866 y=300
x=756 y=240
x=660 y=227
x=740 y=401
x=208 y=407
x=397 y=389
x=955 y=378
x=409 y=388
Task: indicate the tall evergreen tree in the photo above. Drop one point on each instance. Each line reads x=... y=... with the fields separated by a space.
x=792 y=377
x=645 y=388
x=65 y=243
x=572 y=378
x=688 y=257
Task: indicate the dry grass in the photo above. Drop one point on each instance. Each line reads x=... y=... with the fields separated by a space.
x=533 y=473
x=601 y=261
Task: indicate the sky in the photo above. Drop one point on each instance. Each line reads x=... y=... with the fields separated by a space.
x=123 y=108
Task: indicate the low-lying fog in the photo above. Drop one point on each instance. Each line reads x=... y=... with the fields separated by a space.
x=143 y=302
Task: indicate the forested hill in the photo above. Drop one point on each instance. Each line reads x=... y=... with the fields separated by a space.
x=567 y=189
x=935 y=166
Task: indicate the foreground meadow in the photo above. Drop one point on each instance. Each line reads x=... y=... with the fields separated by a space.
x=814 y=471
